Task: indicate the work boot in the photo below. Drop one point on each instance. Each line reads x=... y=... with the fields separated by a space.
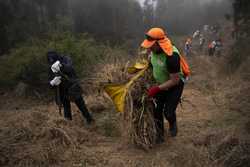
x=91 y=124
x=90 y=121
x=68 y=118
x=159 y=139
x=173 y=129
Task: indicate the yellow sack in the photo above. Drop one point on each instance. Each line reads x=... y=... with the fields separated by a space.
x=138 y=66
x=118 y=92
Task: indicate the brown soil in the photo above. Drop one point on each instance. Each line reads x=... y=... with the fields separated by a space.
x=213 y=129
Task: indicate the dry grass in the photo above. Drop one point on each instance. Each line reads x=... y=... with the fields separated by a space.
x=29 y=140
x=136 y=123
x=139 y=114
x=213 y=125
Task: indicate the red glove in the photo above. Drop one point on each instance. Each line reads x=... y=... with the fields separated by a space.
x=153 y=91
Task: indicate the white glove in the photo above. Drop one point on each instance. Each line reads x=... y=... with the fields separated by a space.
x=56 y=66
x=56 y=81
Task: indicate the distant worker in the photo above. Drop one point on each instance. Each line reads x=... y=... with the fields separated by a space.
x=216 y=28
x=169 y=76
x=211 y=48
x=201 y=42
x=64 y=80
x=196 y=34
x=188 y=47
x=206 y=28
x=218 y=47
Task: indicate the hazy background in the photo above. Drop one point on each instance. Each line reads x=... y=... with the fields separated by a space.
x=183 y=16
x=111 y=21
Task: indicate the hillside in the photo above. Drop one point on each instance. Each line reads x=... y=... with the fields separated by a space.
x=213 y=125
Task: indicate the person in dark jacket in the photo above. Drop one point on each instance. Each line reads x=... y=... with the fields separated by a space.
x=63 y=79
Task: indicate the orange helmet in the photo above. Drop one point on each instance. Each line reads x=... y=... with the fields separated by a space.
x=189 y=40
x=158 y=35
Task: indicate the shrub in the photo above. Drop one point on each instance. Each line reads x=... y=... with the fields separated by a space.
x=28 y=62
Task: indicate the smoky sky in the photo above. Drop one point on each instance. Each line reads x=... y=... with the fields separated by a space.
x=201 y=1
x=183 y=16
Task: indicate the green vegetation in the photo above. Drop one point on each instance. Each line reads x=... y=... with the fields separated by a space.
x=28 y=63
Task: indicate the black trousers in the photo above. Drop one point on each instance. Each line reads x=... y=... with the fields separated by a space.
x=211 y=51
x=166 y=103
x=80 y=104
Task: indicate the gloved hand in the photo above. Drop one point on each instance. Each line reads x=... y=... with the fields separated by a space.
x=56 y=66
x=56 y=81
x=153 y=91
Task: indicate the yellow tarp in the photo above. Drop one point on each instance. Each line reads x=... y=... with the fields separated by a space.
x=118 y=92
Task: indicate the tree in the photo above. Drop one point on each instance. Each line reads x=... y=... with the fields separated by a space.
x=148 y=14
x=242 y=17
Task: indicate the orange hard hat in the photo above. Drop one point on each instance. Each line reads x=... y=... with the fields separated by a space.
x=158 y=35
x=189 y=40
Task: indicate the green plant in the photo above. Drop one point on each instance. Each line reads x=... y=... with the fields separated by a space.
x=28 y=62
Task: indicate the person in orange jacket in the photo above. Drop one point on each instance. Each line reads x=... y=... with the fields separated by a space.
x=165 y=60
x=188 y=46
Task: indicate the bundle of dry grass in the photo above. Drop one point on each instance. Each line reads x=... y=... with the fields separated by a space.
x=138 y=122
x=140 y=114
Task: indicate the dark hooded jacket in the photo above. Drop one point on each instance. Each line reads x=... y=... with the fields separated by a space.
x=69 y=87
